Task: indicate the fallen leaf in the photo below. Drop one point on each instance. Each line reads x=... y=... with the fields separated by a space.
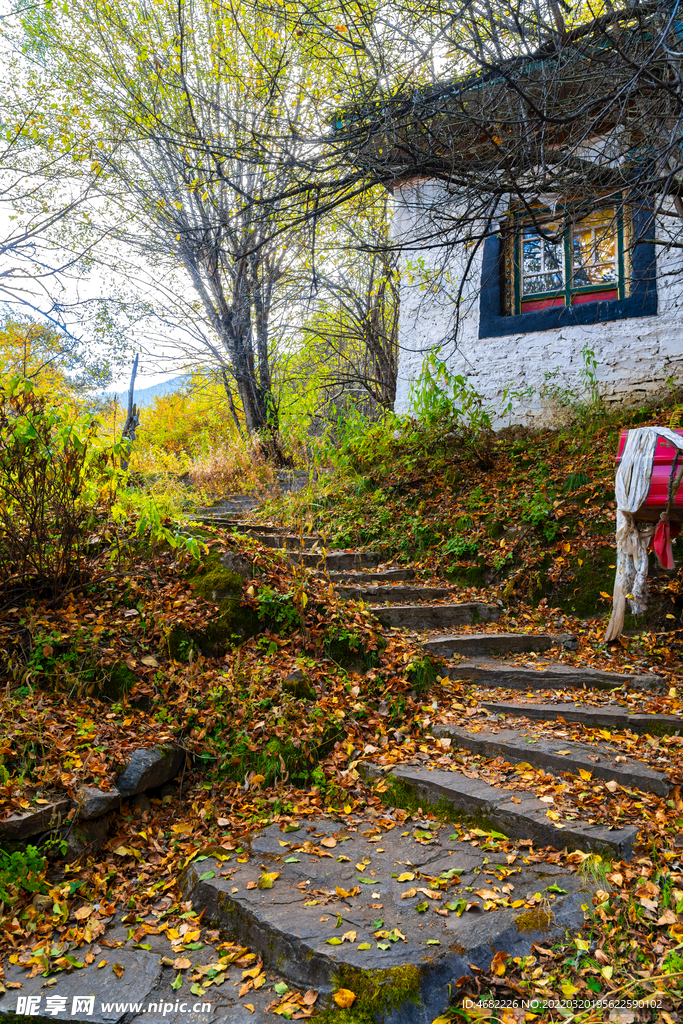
x=344 y=998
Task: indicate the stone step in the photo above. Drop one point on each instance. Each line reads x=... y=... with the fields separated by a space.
x=292 y=542
x=473 y=644
x=518 y=677
x=431 y=616
x=380 y=576
x=290 y=924
x=610 y=715
x=389 y=594
x=544 y=752
x=335 y=560
x=518 y=815
x=250 y=529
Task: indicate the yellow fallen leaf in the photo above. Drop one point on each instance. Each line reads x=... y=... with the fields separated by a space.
x=259 y=981
x=253 y=972
x=102 y=963
x=250 y=1007
x=607 y=972
x=407 y=876
x=329 y=842
x=181 y=963
x=349 y=937
x=83 y=912
x=499 y=963
x=344 y=998
x=285 y=1009
x=586 y=776
x=257 y=780
x=408 y=894
x=150 y=661
x=267 y=878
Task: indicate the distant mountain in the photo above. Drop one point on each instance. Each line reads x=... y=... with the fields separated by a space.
x=146 y=396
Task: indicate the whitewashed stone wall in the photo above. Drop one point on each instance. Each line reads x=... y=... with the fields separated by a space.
x=635 y=356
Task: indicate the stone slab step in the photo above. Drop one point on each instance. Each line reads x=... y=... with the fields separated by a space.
x=517 y=677
x=389 y=594
x=431 y=616
x=335 y=560
x=610 y=715
x=290 y=924
x=558 y=755
x=380 y=576
x=30 y=823
x=473 y=644
x=516 y=814
x=252 y=529
x=291 y=541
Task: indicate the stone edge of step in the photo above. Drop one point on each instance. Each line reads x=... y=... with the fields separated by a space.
x=602 y=714
x=478 y=801
x=626 y=774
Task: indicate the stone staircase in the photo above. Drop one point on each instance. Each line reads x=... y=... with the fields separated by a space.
x=285 y=922
x=486 y=660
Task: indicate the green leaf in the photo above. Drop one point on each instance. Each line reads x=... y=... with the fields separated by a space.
x=292 y=860
x=142 y=945
x=458 y=906
x=433 y=942
x=197 y=989
x=205 y=875
x=291 y=828
x=383 y=945
x=423 y=834
x=555 y=888
x=421 y=907
x=194 y=945
x=334 y=941
x=281 y=989
x=178 y=981
x=339 y=921
x=364 y=945
x=367 y=881
x=378 y=924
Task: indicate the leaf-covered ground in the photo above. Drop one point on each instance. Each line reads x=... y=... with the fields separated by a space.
x=274 y=726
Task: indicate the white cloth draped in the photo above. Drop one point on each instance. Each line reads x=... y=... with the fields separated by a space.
x=631 y=488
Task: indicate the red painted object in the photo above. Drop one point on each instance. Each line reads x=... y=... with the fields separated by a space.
x=659 y=488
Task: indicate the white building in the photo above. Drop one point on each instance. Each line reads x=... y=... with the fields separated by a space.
x=534 y=322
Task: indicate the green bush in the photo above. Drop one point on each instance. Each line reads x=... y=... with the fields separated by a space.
x=52 y=472
x=21 y=871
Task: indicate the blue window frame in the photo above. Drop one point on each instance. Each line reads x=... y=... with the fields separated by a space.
x=531 y=283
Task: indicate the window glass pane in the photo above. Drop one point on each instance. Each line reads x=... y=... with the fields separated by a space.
x=542 y=261
x=594 y=249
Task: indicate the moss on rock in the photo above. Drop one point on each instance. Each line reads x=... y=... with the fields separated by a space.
x=377 y=993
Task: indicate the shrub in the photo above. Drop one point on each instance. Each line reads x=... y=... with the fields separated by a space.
x=52 y=470
x=21 y=871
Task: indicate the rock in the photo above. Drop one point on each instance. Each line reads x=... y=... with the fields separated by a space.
x=139 y=980
x=291 y=930
x=33 y=822
x=240 y=566
x=149 y=768
x=297 y=685
x=139 y=804
x=93 y=802
x=86 y=837
x=568 y=641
